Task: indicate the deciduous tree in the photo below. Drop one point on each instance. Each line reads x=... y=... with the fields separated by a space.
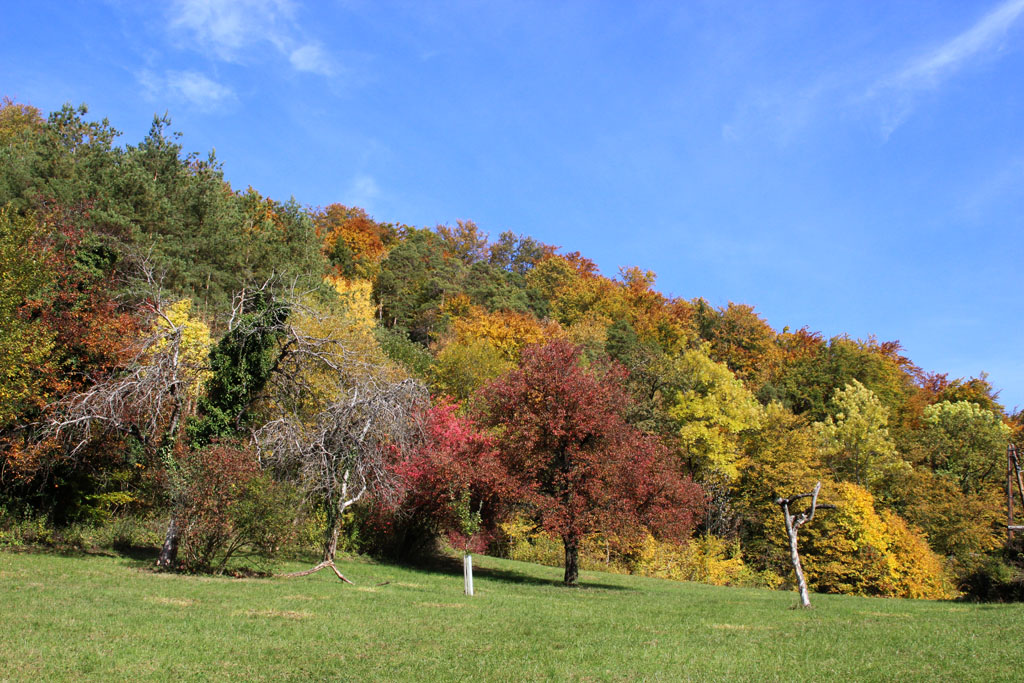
x=455 y=475
x=855 y=440
x=581 y=468
x=966 y=443
x=344 y=415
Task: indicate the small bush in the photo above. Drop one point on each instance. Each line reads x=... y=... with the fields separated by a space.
x=387 y=534
x=705 y=559
x=232 y=509
x=130 y=531
x=998 y=578
x=24 y=530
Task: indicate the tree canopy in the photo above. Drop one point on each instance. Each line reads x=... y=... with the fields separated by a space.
x=165 y=332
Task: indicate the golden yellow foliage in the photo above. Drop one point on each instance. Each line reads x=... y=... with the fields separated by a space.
x=458 y=306
x=779 y=459
x=346 y=351
x=654 y=317
x=961 y=526
x=706 y=559
x=195 y=342
x=590 y=332
x=856 y=550
x=356 y=300
x=711 y=413
x=506 y=331
x=463 y=367
x=914 y=570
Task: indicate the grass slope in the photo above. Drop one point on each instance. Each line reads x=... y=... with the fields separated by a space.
x=102 y=618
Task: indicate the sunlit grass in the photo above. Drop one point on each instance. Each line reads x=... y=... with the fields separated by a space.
x=101 y=618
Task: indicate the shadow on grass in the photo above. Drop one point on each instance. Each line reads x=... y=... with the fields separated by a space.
x=137 y=556
x=453 y=566
x=144 y=557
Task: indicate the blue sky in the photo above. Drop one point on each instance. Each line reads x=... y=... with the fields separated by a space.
x=856 y=167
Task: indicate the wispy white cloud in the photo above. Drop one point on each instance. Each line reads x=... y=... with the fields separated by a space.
x=930 y=69
x=192 y=87
x=312 y=58
x=225 y=27
x=782 y=112
x=231 y=30
x=363 y=191
x=1001 y=189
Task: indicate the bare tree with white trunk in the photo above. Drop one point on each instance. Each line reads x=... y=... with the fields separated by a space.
x=793 y=524
x=155 y=394
x=340 y=409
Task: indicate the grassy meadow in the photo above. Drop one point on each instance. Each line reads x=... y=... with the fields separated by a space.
x=94 y=617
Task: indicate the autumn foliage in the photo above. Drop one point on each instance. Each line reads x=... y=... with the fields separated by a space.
x=456 y=474
x=580 y=467
x=574 y=411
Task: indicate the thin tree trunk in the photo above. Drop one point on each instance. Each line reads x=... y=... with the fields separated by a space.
x=794 y=556
x=572 y=559
x=331 y=544
x=793 y=524
x=169 y=552
x=330 y=550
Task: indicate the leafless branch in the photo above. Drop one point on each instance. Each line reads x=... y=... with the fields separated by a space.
x=150 y=396
x=793 y=524
x=342 y=453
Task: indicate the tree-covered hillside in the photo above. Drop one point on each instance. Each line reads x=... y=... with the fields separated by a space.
x=261 y=374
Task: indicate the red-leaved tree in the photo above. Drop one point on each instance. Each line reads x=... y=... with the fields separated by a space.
x=579 y=466
x=456 y=479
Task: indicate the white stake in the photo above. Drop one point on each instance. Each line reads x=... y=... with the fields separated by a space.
x=467 y=573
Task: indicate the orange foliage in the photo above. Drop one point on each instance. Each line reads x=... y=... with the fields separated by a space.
x=580 y=295
x=654 y=317
x=465 y=242
x=351 y=240
x=800 y=344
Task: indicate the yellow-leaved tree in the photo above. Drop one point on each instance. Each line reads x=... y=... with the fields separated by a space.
x=194 y=346
x=339 y=411
x=332 y=349
x=857 y=550
x=483 y=345
x=356 y=297
x=711 y=412
x=855 y=441
x=24 y=345
x=779 y=459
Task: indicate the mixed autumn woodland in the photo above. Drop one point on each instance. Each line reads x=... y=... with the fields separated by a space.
x=259 y=377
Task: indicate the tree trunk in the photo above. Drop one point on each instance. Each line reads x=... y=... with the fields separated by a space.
x=794 y=556
x=572 y=559
x=331 y=543
x=330 y=550
x=793 y=524
x=169 y=552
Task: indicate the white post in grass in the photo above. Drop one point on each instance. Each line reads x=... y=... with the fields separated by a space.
x=467 y=573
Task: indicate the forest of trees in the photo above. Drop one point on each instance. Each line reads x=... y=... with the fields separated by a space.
x=258 y=376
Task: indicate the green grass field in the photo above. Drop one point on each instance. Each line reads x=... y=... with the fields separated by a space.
x=92 y=617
